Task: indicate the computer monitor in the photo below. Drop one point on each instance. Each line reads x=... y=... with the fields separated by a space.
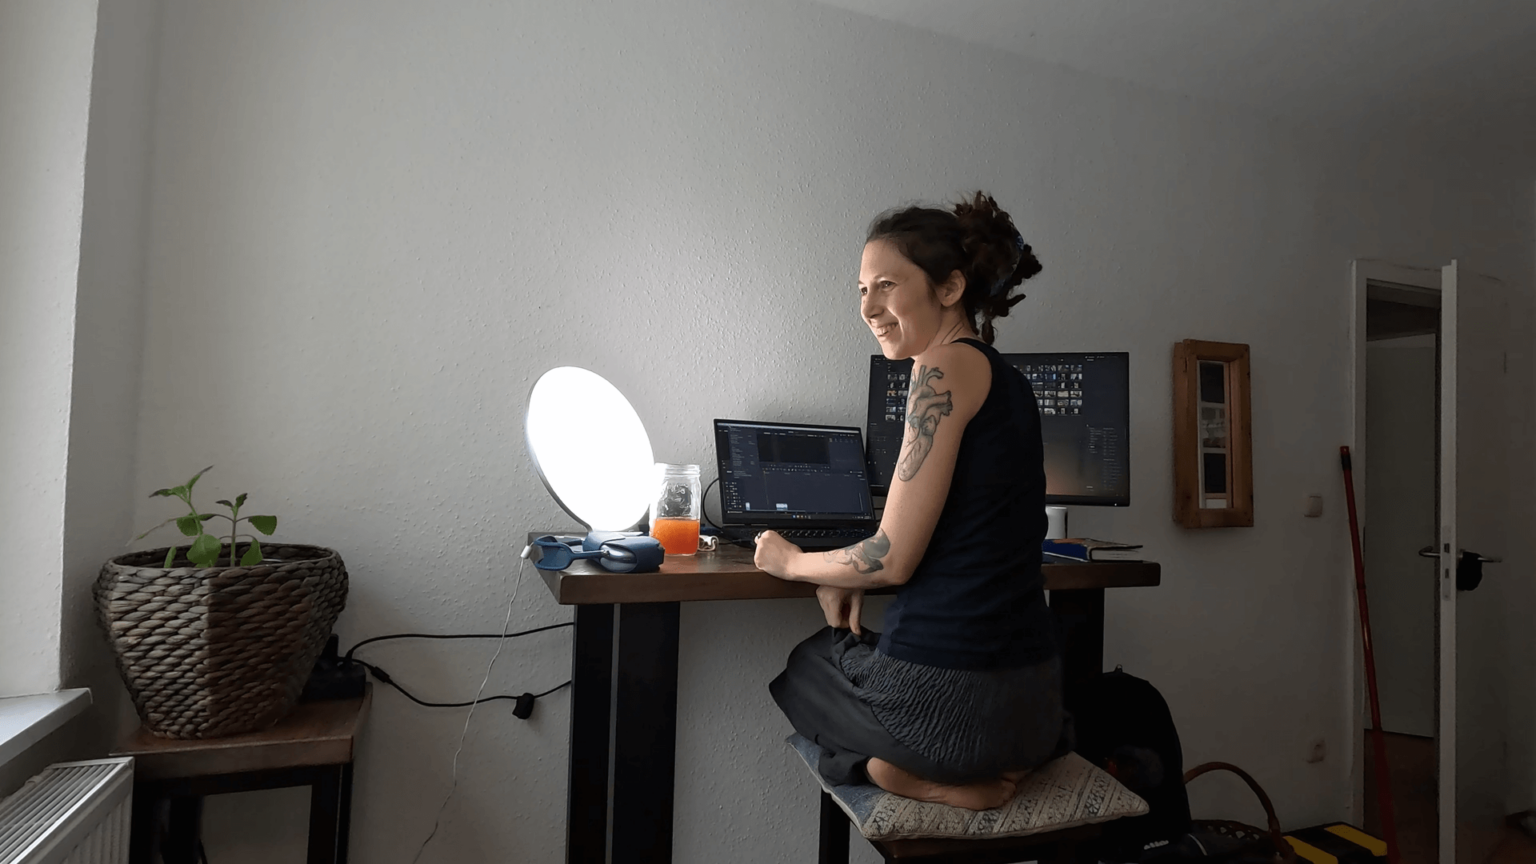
x=1085 y=423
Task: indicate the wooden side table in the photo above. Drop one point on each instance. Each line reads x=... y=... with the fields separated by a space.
x=314 y=746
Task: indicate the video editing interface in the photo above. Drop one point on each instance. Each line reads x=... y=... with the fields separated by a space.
x=772 y=473
x=887 y=420
x=1085 y=418
x=1084 y=404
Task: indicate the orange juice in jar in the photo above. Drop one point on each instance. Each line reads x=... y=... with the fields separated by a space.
x=677 y=536
x=675 y=513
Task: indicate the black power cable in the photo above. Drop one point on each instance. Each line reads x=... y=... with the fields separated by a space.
x=703 y=508
x=354 y=648
x=523 y=707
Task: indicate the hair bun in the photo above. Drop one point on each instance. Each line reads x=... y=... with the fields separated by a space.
x=1029 y=265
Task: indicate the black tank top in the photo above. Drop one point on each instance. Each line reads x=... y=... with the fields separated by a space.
x=977 y=598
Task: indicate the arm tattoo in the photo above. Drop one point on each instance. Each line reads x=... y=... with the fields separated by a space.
x=924 y=408
x=864 y=556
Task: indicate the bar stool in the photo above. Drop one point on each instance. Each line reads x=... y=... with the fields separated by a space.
x=1058 y=813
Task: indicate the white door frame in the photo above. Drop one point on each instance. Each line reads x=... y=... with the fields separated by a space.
x=1362 y=273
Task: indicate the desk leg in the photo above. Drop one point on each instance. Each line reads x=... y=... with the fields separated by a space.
x=586 y=802
x=1080 y=613
x=324 y=816
x=644 y=732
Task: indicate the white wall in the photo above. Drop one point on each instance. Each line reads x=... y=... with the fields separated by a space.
x=373 y=225
x=109 y=330
x=45 y=82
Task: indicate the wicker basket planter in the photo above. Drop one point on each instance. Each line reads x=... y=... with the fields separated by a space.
x=210 y=652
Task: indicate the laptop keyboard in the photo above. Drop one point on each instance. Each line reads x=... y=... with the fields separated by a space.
x=809 y=539
x=852 y=535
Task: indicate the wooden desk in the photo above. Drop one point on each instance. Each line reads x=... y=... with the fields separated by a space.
x=314 y=746
x=624 y=680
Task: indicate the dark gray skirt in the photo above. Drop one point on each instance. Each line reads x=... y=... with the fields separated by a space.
x=945 y=725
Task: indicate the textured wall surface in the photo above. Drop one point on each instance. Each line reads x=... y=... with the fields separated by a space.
x=45 y=89
x=373 y=225
x=109 y=330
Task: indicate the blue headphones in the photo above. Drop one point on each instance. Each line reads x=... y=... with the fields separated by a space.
x=613 y=551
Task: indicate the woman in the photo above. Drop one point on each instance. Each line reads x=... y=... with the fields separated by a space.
x=961 y=696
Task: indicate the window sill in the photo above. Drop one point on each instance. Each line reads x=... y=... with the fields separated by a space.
x=25 y=720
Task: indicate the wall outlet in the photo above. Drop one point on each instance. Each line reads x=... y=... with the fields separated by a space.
x=1319 y=752
x=1314 y=506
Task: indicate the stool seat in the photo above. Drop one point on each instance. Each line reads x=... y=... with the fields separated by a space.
x=1057 y=811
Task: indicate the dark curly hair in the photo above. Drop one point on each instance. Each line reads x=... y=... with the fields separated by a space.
x=978 y=239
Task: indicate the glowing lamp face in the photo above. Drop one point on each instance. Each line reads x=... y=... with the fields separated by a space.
x=590 y=449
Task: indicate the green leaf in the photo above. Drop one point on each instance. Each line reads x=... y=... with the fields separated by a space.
x=189 y=525
x=179 y=491
x=264 y=524
x=170 y=558
x=193 y=481
x=204 y=551
x=161 y=493
x=206 y=516
x=225 y=502
x=252 y=556
x=240 y=500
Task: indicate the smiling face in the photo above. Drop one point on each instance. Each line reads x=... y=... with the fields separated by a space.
x=904 y=309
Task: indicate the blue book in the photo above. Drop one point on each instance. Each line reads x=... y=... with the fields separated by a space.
x=1088 y=549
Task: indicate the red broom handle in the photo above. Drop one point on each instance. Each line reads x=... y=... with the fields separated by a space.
x=1383 y=784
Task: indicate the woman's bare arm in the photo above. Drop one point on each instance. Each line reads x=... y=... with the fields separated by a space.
x=946 y=392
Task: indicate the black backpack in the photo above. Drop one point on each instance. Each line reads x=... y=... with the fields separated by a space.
x=1123 y=726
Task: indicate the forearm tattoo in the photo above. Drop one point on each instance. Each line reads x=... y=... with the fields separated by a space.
x=865 y=557
x=924 y=408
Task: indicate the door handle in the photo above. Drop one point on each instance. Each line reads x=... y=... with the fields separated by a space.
x=1469 y=569
x=1429 y=552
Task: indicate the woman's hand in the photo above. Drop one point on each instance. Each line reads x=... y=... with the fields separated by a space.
x=774 y=554
x=842 y=606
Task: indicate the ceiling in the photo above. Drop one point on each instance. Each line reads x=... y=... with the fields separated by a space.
x=1333 y=62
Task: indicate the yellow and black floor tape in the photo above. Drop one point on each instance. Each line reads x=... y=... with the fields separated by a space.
x=1337 y=843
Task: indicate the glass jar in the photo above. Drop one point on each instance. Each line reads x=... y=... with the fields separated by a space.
x=675 y=513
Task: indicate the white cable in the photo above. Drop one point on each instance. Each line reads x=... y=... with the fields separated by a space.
x=467 y=720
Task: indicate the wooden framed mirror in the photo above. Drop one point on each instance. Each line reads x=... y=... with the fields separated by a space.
x=1212 y=435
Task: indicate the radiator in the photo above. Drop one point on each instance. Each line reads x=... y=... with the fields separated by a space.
x=71 y=813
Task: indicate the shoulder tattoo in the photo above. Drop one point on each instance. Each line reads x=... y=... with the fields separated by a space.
x=865 y=557
x=924 y=408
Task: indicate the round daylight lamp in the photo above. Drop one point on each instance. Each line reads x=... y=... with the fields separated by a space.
x=590 y=449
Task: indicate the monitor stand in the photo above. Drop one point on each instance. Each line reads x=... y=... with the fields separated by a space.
x=1056 y=523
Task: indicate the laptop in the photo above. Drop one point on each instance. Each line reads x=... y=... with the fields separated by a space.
x=806 y=482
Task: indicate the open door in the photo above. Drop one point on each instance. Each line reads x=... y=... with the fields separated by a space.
x=1474 y=432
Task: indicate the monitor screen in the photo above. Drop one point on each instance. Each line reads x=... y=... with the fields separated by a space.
x=1085 y=415
x=779 y=473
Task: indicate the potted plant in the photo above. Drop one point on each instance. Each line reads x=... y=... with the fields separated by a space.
x=218 y=638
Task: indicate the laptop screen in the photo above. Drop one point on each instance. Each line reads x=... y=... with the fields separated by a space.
x=789 y=474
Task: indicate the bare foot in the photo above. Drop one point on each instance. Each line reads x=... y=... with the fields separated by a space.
x=983 y=795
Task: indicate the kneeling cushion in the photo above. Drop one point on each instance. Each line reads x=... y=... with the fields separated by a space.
x=1061 y=794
